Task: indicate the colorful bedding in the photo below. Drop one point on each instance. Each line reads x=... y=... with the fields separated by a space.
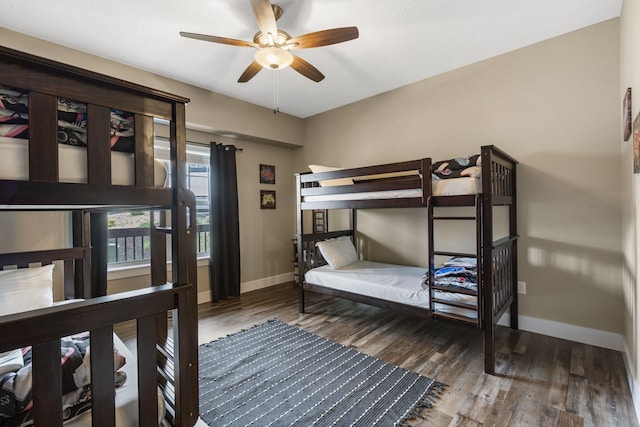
x=459 y=167
x=72 y=121
x=15 y=386
x=460 y=273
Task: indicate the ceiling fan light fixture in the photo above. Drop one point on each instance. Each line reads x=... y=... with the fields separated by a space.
x=273 y=57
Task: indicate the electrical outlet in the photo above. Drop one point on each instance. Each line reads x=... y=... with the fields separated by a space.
x=522 y=287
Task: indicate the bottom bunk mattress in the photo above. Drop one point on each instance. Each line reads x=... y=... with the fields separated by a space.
x=126 y=399
x=78 y=414
x=389 y=282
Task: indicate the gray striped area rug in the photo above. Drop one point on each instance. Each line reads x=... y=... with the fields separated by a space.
x=275 y=374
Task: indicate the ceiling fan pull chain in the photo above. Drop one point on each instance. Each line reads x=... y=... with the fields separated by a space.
x=276 y=108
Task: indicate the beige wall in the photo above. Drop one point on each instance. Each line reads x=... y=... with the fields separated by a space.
x=630 y=77
x=555 y=107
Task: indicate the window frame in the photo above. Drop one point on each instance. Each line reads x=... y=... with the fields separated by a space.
x=196 y=153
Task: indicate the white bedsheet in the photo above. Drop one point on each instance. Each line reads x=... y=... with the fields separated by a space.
x=72 y=161
x=439 y=187
x=388 y=282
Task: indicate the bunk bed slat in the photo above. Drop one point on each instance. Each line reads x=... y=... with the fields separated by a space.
x=455 y=254
x=451 y=316
x=143 y=131
x=102 y=379
x=98 y=147
x=456 y=291
x=147 y=372
x=47 y=383
x=450 y=201
x=454 y=304
x=43 y=157
x=69 y=279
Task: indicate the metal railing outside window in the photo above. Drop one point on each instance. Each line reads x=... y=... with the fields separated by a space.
x=133 y=244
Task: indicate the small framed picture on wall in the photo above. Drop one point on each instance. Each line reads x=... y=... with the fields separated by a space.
x=267 y=174
x=267 y=199
x=626 y=115
x=636 y=144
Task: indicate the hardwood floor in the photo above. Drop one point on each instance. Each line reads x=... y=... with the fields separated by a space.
x=540 y=381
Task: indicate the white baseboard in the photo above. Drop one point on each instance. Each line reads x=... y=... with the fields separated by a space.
x=569 y=332
x=633 y=385
x=266 y=282
x=205 y=296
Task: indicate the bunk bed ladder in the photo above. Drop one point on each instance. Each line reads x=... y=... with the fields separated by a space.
x=443 y=202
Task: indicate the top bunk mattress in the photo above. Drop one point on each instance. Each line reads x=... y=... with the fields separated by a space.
x=439 y=187
x=453 y=177
x=72 y=160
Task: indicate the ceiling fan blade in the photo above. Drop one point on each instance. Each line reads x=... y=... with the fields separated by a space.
x=216 y=39
x=323 y=38
x=306 y=69
x=263 y=12
x=251 y=71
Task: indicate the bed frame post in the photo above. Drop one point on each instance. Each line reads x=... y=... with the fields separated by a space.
x=513 y=231
x=488 y=321
x=184 y=268
x=82 y=267
x=300 y=249
x=98 y=225
x=354 y=223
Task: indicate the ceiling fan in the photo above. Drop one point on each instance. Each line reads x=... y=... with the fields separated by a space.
x=274 y=46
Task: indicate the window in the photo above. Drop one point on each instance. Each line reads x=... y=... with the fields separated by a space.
x=128 y=233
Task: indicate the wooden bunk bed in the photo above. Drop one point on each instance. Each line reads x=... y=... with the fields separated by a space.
x=405 y=185
x=165 y=311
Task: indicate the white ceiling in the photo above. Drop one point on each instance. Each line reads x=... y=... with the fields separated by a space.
x=401 y=41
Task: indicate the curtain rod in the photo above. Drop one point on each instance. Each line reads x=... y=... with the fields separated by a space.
x=224 y=145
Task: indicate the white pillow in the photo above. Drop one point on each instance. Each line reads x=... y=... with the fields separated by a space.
x=330 y=182
x=26 y=289
x=338 y=252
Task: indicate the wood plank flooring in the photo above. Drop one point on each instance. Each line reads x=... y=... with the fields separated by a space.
x=540 y=381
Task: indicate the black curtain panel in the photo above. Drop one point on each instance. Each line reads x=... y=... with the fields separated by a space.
x=224 y=223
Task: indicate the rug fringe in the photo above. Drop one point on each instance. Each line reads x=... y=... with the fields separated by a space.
x=427 y=402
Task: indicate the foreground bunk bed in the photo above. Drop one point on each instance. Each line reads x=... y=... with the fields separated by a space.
x=472 y=289
x=76 y=141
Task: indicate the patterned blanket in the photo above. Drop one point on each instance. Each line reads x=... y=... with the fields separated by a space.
x=455 y=273
x=72 y=121
x=16 y=402
x=456 y=168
